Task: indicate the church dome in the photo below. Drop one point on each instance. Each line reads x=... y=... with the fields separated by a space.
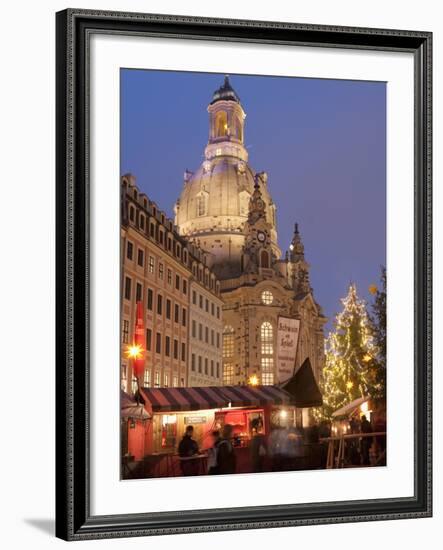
x=216 y=197
x=213 y=206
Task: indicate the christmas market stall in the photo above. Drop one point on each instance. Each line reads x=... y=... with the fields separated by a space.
x=210 y=408
x=133 y=418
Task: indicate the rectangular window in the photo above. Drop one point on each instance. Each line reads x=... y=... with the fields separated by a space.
x=201 y=301
x=207 y=335
x=218 y=339
x=218 y=312
x=212 y=367
x=169 y=277
x=177 y=313
x=193 y=362
x=175 y=381
x=200 y=331
x=157 y=379
x=151 y=265
x=267 y=379
x=161 y=237
x=206 y=365
x=134 y=385
x=175 y=349
x=177 y=282
x=168 y=308
x=184 y=317
x=148 y=339
x=129 y=250
x=228 y=374
x=150 y=299
x=138 y=292
x=125 y=336
x=127 y=288
x=140 y=257
x=194 y=328
x=212 y=308
x=194 y=297
x=228 y=344
x=183 y=351
x=199 y=363
x=169 y=243
x=123 y=372
x=147 y=379
x=207 y=305
x=161 y=271
x=158 y=343
x=267 y=371
x=159 y=304
x=212 y=337
x=167 y=346
x=152 y=230
x=218 y=370
x=185 y=286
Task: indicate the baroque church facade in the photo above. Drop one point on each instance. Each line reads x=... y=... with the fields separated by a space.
x=226 y=209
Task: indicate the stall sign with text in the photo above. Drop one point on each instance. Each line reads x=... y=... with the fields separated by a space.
x=287 y=340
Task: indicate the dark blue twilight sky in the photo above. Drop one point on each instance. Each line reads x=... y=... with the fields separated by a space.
x=322 y=142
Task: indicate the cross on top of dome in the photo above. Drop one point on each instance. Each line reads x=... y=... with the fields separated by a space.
x=225 y=92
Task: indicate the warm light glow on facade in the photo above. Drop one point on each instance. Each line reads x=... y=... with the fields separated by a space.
x=134 y=352
x=253 y=380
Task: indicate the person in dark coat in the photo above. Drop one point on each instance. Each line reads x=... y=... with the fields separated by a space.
x=187 y=448
x=258 y=449
x=366 y=442
x=226 y=460
x=213 y=468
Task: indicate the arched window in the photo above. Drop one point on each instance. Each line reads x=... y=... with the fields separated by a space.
x=238 y=129
x=221 y=124
x=264 y=259
x=267 y=353
x=244 y=198
x=201 y=205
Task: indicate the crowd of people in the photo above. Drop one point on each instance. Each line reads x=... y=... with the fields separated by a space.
x=284 y=448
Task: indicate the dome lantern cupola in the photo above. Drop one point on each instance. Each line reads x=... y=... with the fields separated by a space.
x=226 y=124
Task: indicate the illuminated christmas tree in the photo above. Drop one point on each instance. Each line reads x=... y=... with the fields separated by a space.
x=350 y=356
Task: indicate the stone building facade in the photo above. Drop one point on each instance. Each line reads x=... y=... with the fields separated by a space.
x=205 y=336
x=158 y=269
x=226 y=208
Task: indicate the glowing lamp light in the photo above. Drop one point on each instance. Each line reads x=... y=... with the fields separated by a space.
x=134 y=352
x=253 y=380
x=283 y=414
x=349 y=385
x=367 y=358
x=373 y=289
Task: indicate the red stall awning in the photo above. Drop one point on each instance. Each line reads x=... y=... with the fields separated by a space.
x=214 y=397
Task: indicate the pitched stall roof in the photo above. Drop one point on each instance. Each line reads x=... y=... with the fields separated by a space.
x=304 y=388
x=214 y=397
x=130 y=409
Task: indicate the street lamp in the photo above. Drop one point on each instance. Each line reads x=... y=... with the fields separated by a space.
x=135 y=352
x=253 y=380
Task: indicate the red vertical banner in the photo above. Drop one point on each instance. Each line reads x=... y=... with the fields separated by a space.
x=139 y=341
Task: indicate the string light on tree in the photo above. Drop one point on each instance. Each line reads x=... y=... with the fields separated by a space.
x=349 y=350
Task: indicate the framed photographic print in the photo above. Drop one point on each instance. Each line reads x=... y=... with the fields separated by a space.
x=243 y=274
